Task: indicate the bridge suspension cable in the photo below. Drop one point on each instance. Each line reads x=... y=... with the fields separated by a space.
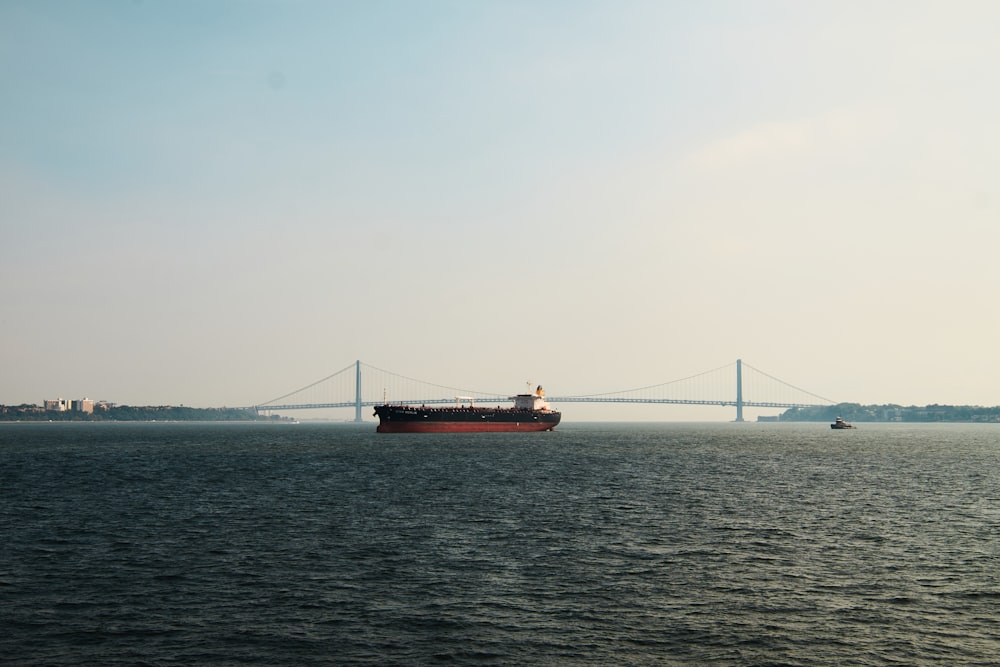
x=791 y=386
x=307 y=387
x=652 y=387
x=463 y=392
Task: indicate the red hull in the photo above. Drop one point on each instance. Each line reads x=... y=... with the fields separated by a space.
x=462 y=427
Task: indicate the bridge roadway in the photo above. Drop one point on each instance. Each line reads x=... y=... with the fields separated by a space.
x=555 y=399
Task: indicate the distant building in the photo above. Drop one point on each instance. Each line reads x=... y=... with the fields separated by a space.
x=62 y=405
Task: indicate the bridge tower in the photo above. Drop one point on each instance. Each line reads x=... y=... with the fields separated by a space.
x=739 y=390
x=357 y=391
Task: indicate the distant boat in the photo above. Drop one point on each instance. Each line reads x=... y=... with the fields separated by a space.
x=840 y=423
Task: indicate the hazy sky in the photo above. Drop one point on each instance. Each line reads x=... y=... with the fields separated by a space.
x=213 y=203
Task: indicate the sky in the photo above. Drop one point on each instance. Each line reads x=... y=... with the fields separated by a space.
x=215 y=203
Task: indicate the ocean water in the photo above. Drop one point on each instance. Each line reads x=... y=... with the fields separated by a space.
x=596 y=544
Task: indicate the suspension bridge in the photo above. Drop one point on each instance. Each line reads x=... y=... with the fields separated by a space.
x=358 y=385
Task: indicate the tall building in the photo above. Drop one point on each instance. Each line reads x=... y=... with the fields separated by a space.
x=62 y=405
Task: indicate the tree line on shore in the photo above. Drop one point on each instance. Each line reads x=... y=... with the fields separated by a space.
x=28 y=412
x=855 y=412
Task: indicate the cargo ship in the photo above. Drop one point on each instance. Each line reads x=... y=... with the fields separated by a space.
x=530 y=413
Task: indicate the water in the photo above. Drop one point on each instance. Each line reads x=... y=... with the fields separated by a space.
x=665 y=544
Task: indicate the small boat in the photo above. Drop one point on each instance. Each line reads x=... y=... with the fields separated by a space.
x=840 y=423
